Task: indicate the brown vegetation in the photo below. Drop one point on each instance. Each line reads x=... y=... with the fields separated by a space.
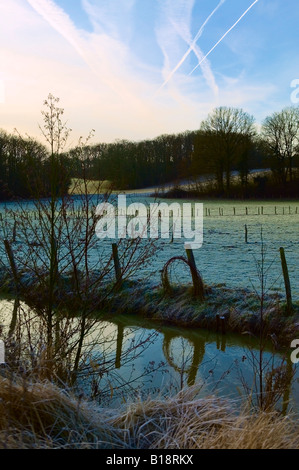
x=40 y=415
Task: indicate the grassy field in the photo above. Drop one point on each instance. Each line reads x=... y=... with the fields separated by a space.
x=93 y=187
x=99 y=187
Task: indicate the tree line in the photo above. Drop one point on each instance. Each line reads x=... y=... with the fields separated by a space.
x=226 y=143
x=25 y=168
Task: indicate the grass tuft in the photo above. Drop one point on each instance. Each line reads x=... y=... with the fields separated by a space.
x=41 y=415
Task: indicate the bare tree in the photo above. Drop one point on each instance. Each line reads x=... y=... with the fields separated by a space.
x=226 y=136
x=280 y=132
x=61 y=269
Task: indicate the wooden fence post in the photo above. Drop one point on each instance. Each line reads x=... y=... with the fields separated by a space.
x=197 y=281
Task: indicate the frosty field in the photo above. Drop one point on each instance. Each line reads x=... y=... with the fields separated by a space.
x=224 y=258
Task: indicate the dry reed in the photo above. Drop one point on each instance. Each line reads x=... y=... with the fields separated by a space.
x=40 y=415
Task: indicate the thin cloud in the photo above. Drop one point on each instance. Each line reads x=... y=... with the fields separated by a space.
x=173 y=21
x=90 y=48
x=113 y=18
x=192 y=47
x=205 y=67
x=106 y=82
x=59 y=20
x=225 y=34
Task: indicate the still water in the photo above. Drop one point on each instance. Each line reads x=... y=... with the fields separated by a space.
x=174 y=357
x=137 y=357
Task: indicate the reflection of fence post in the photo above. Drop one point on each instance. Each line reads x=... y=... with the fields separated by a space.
x=217 y=322
x=286 y=281
x=117 y=268
x=222 y=320
x=220 y=323
x=119 y=345
x=197 y=281
x=246 y=234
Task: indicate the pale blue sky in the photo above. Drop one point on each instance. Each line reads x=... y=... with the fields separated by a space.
x=124 y=67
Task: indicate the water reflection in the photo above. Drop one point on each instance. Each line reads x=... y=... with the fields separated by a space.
x=190 y=355
x=197 y=356
x=119 y=345
x=193 y=355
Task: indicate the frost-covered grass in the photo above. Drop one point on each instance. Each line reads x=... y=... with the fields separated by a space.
x=238 y=308
x=241 y=309
x=224 y=256
x=40 y=415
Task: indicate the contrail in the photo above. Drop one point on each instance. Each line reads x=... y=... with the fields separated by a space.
x=221 y=39
x=191 y=46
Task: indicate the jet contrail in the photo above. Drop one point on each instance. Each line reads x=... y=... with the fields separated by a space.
x=191 y=46
x=221 y=39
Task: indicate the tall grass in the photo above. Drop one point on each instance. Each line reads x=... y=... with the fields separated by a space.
x=40 y=415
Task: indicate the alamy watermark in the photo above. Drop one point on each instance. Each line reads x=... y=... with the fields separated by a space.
x=295 y=93
x=295 y=353
x=167 y=221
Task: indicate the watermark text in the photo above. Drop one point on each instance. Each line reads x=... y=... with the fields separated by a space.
x=167 y=221
x=295 y=93
x=295 y=353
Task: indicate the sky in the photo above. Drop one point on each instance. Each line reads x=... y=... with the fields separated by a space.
x=136 y=69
